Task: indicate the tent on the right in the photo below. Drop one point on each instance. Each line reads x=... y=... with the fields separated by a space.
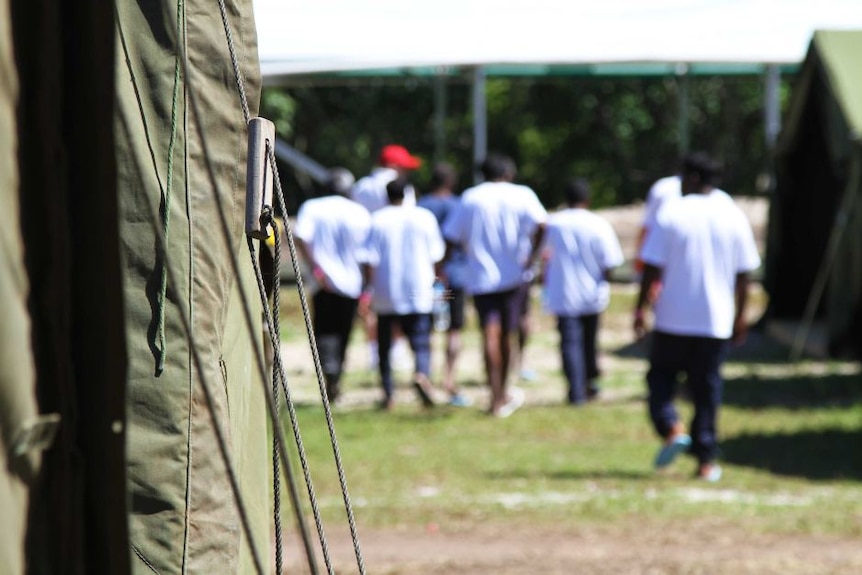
x=814 y=251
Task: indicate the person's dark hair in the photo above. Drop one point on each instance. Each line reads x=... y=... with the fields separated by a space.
x=339 y=182
x=443 y=176
x=704 y=167
x=498 y=167
x=395 y=189
x=577 y=192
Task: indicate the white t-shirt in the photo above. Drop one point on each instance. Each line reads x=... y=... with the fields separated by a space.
x=490 y=224
x=403 y=246
x=662 y=190
x=370 y=191
x=580 y=246
x=334 y=230
x=701 y=242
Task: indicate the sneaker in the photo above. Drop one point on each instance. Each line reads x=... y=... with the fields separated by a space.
x=423 y=390
x=675 y=445
x=459 y=400
x=710 y=472
x=516 y=400
x=528 y=375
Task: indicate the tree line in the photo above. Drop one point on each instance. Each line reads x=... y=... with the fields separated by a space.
x=619 y=133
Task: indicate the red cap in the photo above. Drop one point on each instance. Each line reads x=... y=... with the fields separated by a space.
x=398 y=156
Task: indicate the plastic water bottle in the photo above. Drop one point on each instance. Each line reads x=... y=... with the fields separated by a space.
x=441 y=307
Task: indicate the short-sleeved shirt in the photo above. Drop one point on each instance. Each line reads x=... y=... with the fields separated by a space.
x=581 y=246
x=490 y=224
x=402 y=247
x=661 y=191
x=441 y=207
x=701 y=242
x=334 y=229
x=370 y=191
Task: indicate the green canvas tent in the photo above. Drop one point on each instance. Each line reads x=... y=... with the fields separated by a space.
x=814 y=263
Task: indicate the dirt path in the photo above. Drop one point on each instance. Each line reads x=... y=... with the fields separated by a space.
x=701 y=547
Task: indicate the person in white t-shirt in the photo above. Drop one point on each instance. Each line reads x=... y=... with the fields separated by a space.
x=489 y=225
x=702 y=249
x=400 y=255
x=331 y=230
x=394 y=162
x=580 y=250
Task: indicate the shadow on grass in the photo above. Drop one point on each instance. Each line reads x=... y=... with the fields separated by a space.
x=758 y=348
x=797 y=392
x=827 y=454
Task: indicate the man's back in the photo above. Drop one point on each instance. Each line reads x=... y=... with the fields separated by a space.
x=334 y=230
x=403 y=246
x=581 y=247
x=701 y=242
x=491 y=224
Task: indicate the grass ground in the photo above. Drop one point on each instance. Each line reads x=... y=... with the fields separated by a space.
x=557 y=485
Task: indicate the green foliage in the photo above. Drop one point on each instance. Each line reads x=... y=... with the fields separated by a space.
x=619 y=133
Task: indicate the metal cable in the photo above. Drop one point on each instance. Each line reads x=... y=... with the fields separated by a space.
x=278 y=374
x=278 y=367
x=313 y=344
x=276 y=479
x=321 y=382
x=240 y=84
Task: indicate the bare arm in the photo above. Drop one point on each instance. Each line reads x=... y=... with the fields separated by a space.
x=740 y=328
x=316 y=271
x=537 y=238
x=365 y=297
x=651 y=275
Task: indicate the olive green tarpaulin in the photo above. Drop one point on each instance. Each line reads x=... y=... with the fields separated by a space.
x=17 y=374
x=183 y=514
x=815 y=234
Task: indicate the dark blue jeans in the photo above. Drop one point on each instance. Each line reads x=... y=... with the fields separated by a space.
x=417 y=329
x=700 y=359
x=578 y=352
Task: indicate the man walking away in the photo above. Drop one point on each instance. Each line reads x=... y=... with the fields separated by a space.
x=702 y=249
x=580 y=250
x=441 y=201
x=400 y=256
x=488 y=225
x=331 y=231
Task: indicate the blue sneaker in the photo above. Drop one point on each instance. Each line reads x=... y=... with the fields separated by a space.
x=670 y=450
x=459 y=400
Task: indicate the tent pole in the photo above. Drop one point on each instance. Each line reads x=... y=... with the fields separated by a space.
x=842 y=217
x=440 y=112
x=682 y=81
x=772 y=105
x=480 y=121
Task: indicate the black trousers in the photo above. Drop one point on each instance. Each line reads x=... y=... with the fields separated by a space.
x=333 y=321
x=700 y=359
